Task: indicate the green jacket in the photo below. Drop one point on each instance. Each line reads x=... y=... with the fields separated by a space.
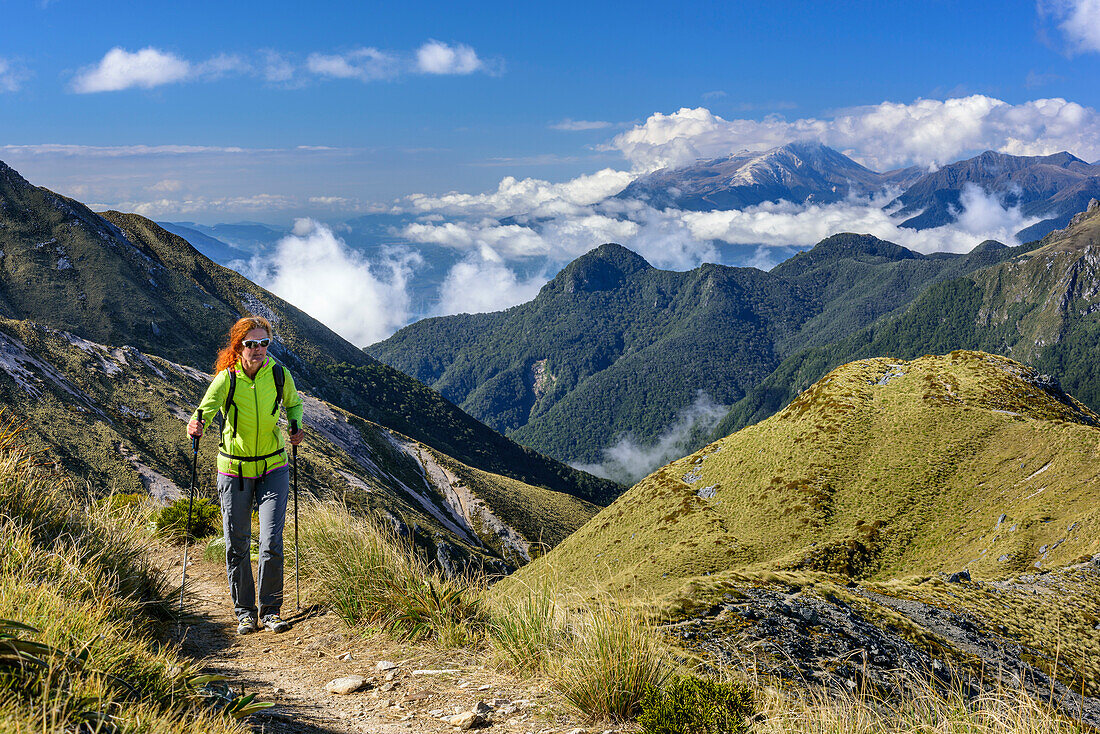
x=251 y=429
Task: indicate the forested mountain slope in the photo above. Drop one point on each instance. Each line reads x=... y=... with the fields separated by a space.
x=1039 y=307
x=613 y=346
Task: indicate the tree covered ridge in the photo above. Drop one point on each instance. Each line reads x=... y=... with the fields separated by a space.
x=613 y=347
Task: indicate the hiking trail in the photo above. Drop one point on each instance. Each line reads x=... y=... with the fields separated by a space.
x=292 y=668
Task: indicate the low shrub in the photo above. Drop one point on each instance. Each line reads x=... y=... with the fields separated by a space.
x=692 y=705
x=206 y=519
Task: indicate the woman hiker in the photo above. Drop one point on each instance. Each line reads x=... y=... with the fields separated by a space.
x=252 y=465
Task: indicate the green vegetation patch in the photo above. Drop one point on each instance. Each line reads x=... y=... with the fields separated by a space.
x=882 y=469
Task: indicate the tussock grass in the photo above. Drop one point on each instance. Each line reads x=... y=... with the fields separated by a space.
x=924 y=711
x=78 y=578
x=529 y=633
x=613 y=661
x=602 y=657
x=371 y=577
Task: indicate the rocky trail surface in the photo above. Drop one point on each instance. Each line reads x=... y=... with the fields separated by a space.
x=405 y=688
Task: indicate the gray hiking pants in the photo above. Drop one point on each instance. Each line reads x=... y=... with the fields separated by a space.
x=238 y=496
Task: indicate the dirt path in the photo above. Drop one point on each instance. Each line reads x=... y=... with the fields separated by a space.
x=291 y=670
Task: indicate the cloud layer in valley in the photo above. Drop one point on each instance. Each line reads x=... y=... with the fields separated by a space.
x=626 y=461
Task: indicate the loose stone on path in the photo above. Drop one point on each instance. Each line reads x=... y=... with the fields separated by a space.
x=345 y=685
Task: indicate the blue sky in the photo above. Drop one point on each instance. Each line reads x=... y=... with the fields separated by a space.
x=613 y=63
x=460 y=115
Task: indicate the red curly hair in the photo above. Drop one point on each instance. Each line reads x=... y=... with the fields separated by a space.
x=231 y=352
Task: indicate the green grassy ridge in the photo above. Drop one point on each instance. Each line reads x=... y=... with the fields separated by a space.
x=1038 y=307
x=866 y=480
x=627 y=345
x=140 y=408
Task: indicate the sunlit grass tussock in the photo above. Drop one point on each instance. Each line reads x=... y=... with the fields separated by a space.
x=80 y=583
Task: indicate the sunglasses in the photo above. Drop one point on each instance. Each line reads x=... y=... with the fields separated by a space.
x=253 y=343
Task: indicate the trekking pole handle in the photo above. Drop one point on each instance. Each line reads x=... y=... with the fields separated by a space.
x=293 y=427
x=195 y=439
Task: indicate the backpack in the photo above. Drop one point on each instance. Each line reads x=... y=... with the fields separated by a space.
x=277 y=372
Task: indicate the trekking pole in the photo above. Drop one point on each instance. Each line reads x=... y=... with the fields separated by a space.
x=294 y=454
x=190 y=505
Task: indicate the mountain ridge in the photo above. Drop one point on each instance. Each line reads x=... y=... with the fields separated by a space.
x=621 y=347
x=801 y=171
x=1037 y=305
x=90 y=304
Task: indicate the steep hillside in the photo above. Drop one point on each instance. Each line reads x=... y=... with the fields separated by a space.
x=115 y=416
x=883 y=468
x=1038 y=306
x=822 y=532
x=88 y=298
x=618 y=347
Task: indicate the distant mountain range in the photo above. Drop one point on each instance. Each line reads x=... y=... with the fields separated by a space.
x=245 y=237
x=108 y=322
x=1040 y=306
x=801 y=172
x=1052 y=188
x=613 y=347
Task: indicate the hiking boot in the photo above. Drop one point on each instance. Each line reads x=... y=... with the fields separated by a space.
x=275 y=623
x=246 y=625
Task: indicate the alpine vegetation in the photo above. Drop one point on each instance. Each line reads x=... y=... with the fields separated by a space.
x=887 y=494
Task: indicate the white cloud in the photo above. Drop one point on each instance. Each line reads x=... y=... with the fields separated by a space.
x=482 y=283
x=580 y=125
x=120 y=151
x=168 y=185
x=1079 y=20
x=512 y=240
x=435 y=57
x=925 y=132
x=319 y=273
x=332 y=201
x=119 y=69
x=627 y=461
x=150 y=67
x=364 y=64
x=528 y=196
x=777 y=224
x=11 y=76
x=156 y=208
x=275 y=68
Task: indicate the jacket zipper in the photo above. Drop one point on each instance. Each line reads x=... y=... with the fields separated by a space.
x=256 y=401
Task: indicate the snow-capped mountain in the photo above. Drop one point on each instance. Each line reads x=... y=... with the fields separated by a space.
x=801 y=172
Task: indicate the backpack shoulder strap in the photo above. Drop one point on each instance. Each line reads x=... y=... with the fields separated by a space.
x=232 y=389
x=224 y=414
x=279 y=374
